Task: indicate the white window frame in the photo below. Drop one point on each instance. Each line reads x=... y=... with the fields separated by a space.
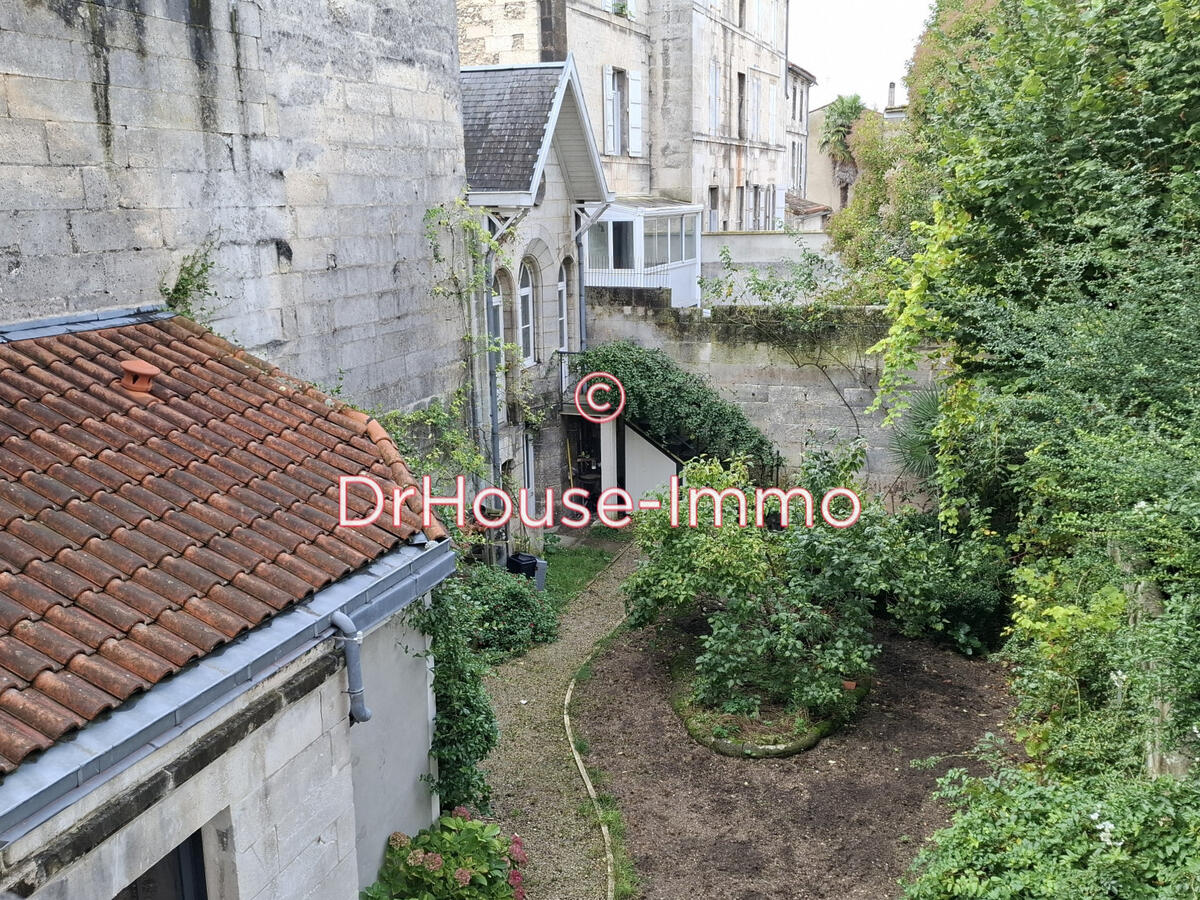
x=564 y=337
x=526 y=317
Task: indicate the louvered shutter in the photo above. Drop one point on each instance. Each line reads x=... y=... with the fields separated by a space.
x=611 y=119
x=635 y=113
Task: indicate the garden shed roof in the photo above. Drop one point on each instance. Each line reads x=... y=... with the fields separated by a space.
x=144 y=523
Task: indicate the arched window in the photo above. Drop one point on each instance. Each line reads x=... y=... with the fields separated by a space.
x=502 y=295
x=525 y=314
x=562 y=307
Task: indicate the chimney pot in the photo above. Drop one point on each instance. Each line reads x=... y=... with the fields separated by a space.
x=138 y=375
x=891 y=93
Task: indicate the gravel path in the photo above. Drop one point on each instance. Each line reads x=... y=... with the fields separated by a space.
x=536 y=789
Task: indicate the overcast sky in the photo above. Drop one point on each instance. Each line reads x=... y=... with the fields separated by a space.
x=855 y=46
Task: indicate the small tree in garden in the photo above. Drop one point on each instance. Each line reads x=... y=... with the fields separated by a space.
x=789 y=610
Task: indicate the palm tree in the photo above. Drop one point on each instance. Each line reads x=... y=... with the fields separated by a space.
x=835 y=141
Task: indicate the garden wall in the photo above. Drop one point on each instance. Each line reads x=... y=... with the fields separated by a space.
x=818 y=402
x=307 y=138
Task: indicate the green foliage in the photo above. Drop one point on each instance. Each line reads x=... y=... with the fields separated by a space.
x=840 y=117
x=1057 y=276
x=457 y=858
x=911 y=440
x=678 y=408
x=465 y=730
x=507 y=613
x=1021 y=836
x=192 y=293
x=789 y=611
x=802 y=275
x=947 y=589
x=436 y=441
x=570 y=570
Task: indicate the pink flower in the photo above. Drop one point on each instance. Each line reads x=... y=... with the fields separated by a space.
x=515 y=878
x=433 y=862
x=519 y=894
x=461 y=812
x=517 y=855
x=462 y=876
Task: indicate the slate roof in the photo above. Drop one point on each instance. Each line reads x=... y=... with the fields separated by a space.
x=505 y=115
x=140 y=531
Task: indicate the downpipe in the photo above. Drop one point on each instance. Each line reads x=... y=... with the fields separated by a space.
x=351 y=639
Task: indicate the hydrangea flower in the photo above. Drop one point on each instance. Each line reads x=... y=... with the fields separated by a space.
x=461 y=812
x=399 y=840
x=414 y=858
x=433 y=862
x=462 y=876
x=515 y=878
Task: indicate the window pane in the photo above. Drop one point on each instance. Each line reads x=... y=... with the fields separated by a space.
x=622 y=235
x=676 y=225
x=689 y=237
x=598 y=246
x=648 y=238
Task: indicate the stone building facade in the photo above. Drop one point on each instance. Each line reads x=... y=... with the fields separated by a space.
x=684 y=98
x=285 y=132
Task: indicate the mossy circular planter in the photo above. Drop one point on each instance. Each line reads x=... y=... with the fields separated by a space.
x=751 y=750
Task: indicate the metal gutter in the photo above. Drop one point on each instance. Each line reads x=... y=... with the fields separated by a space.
x=68 y=324
x=81 y=763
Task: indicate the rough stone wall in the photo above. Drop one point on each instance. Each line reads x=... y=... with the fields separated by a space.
x=500 y=33
x=275 y=811
x=673 y=104
x=819 y=403
x=306 y=138
x=599 y=39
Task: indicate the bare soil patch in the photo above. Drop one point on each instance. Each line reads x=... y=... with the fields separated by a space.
x=842 y=820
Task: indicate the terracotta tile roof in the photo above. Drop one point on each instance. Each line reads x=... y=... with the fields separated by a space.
x=139 y=531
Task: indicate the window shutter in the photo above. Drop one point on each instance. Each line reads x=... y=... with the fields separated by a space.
x=771 y=115
x=635 y=113
x=610 y=113
x=714 y=97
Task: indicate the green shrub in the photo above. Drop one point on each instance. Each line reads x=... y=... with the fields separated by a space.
x=1020 y=836
x=456 y=859
x=789 y=611
x=509 y=614
x=465 y=729
x=946 y=587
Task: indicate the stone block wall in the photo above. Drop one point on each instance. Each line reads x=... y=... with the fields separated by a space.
x=304 y=139
x=819 y=402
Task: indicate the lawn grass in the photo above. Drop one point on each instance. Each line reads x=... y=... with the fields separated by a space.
x=570 y=569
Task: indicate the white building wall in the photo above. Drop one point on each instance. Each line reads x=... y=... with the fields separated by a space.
x=647 y=468
x=390 y=753
x=276 y=809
